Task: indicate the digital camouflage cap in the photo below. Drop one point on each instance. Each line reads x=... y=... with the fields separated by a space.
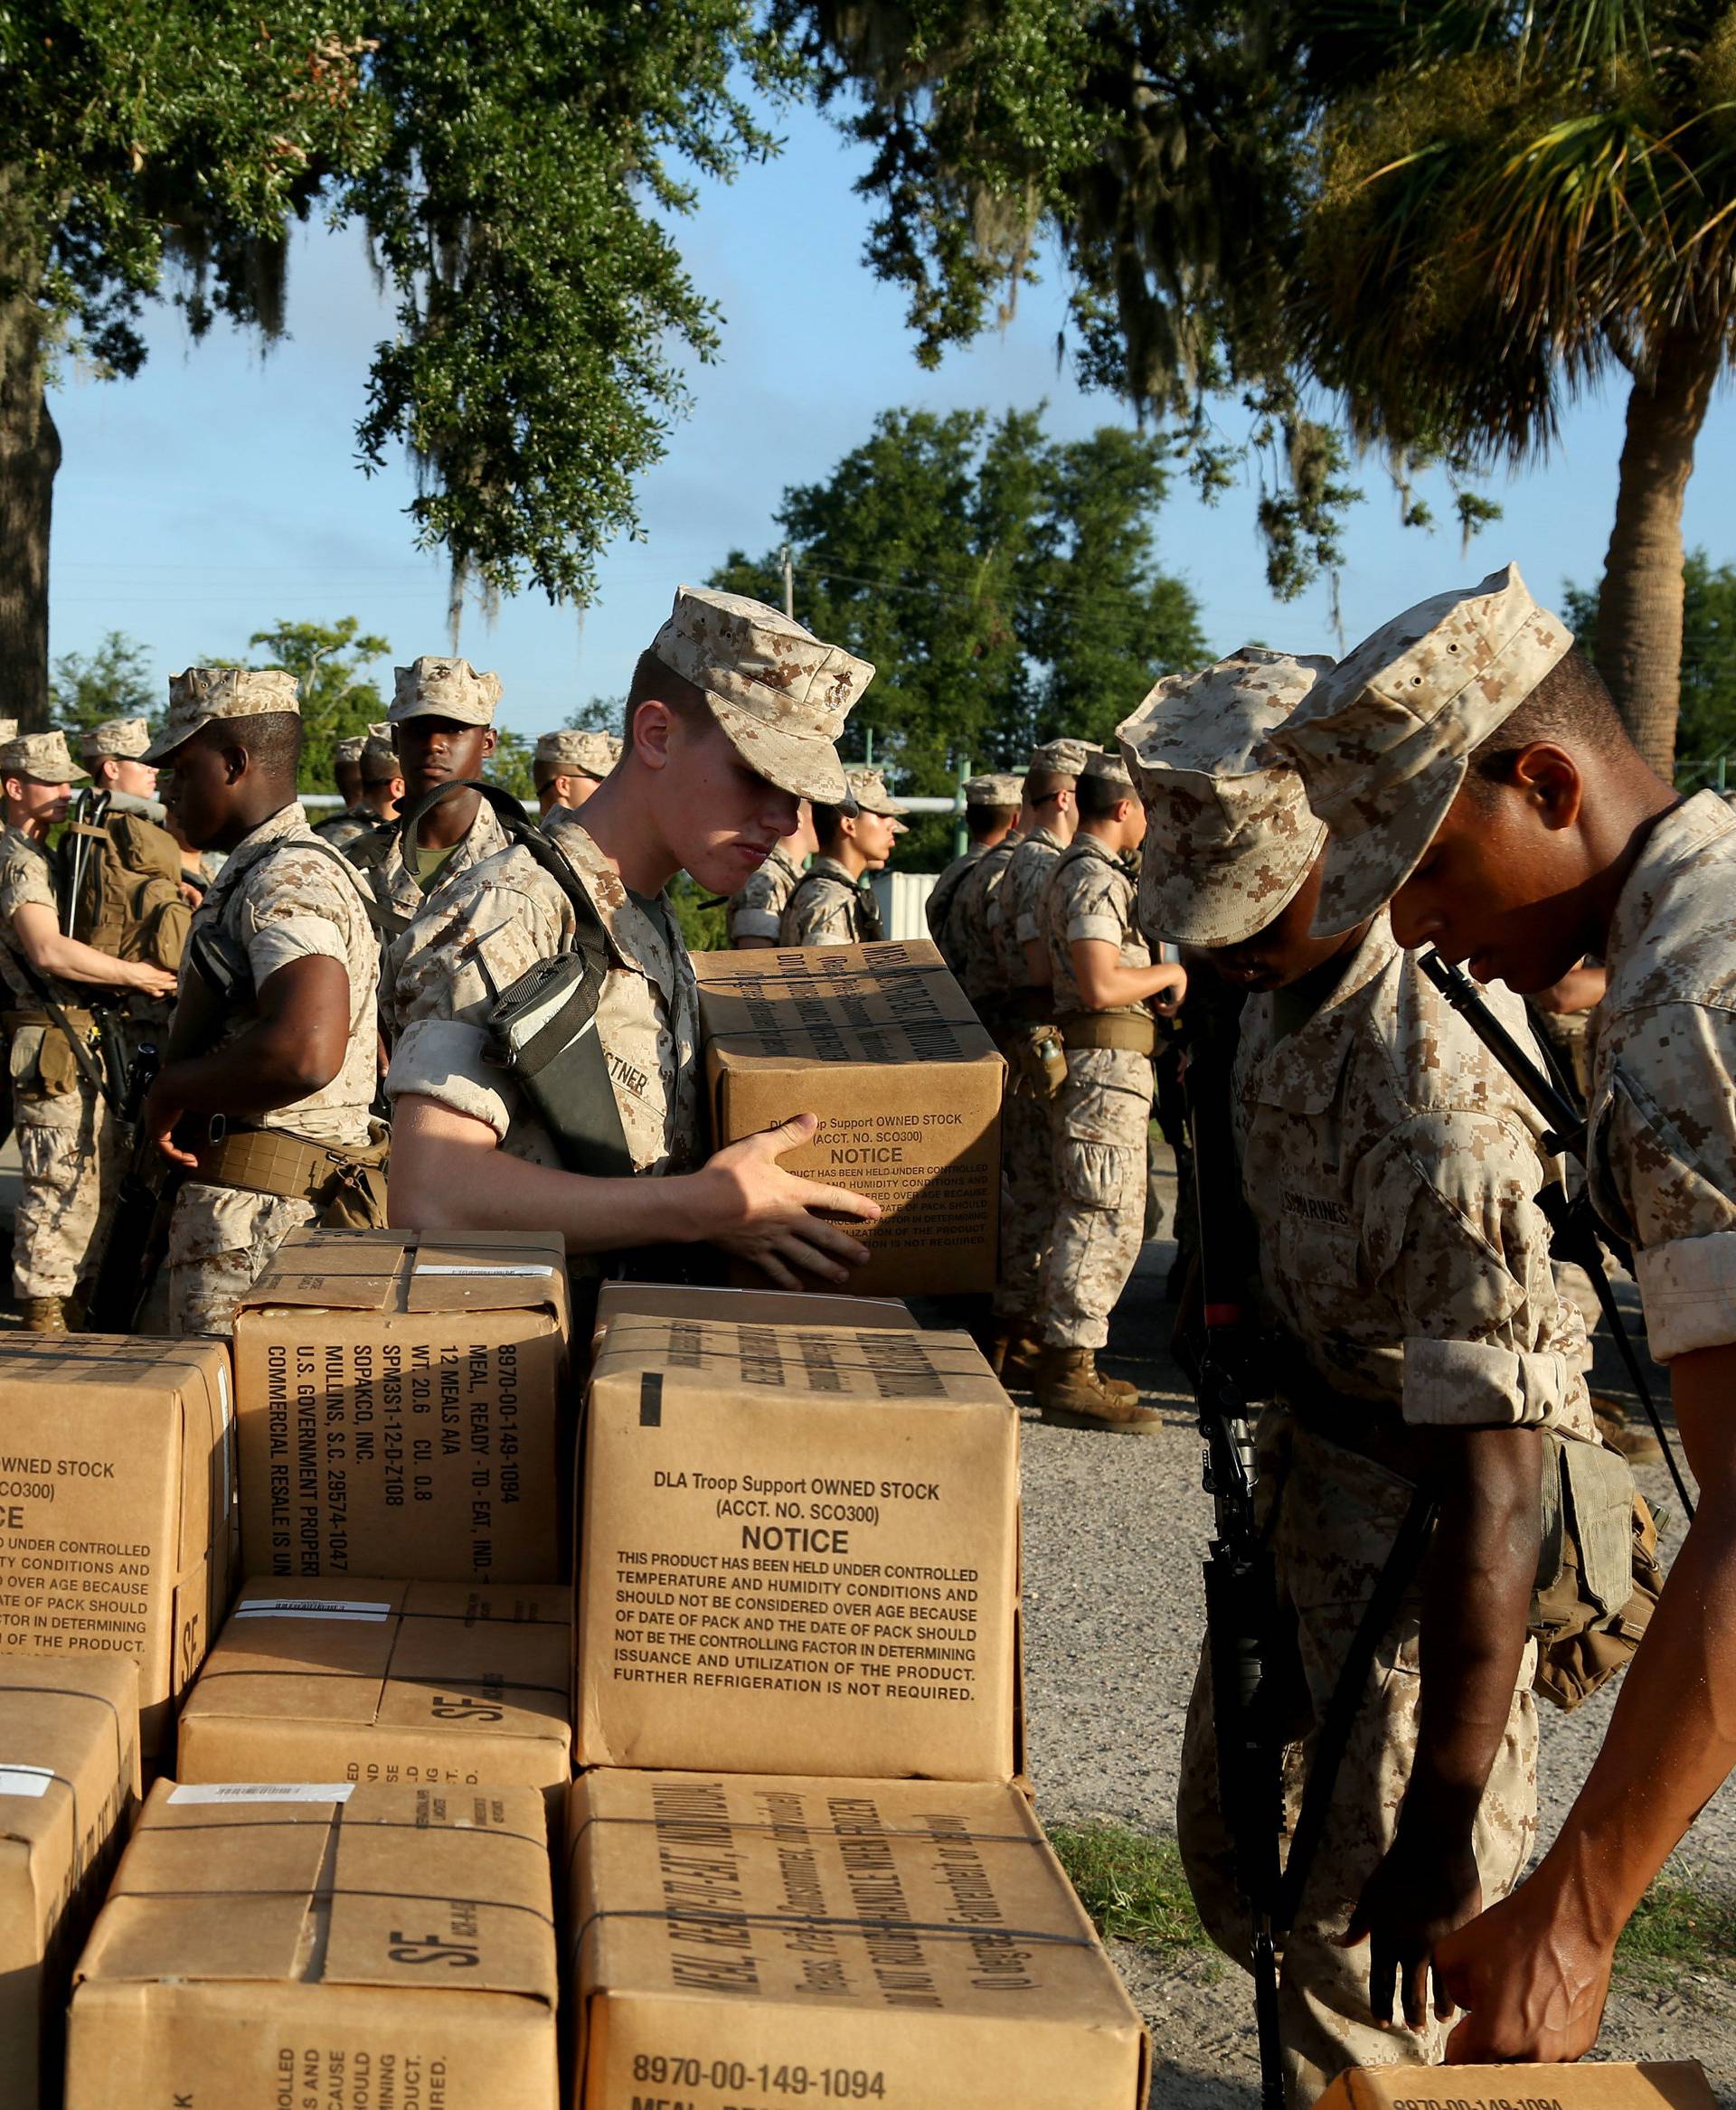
x=780 y=693
x=203 y=694
x=378 y=751
x=438 y=687
x=1229 y=835
x=128 y=739
x=999 y=790
x=1063 y=758
x=579 y=754
x=868 y=792
x=1383 y=742
x=349 y=748
x=43 y=757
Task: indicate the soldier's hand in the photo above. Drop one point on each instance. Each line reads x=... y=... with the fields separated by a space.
x=153 y=981
x=162 y=1111
x=1426 y=1886
x=772 y=1216
x=1533 y=1979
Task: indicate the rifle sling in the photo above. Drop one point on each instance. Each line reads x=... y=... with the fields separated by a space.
x=1397 y=1574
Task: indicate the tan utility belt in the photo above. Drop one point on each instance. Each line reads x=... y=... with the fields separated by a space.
x=1136 y=1031
x=269 y=1161
x=80 y=1022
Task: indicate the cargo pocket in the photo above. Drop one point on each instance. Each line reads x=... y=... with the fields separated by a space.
x=1097 y=1175
x=41 y=1064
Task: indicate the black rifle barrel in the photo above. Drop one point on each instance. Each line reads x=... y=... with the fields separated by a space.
x=1567 y=1124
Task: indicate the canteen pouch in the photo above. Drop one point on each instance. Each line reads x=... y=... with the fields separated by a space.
x=1037 y=1058
x=543 y=1029
x=1598 y=1572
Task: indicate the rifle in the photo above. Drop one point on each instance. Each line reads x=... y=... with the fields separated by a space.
x=1241 y=1580
x=137 y=1230
x=1576 y=1233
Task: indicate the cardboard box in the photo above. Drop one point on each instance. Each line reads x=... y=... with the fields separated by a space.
x=880 y=1042
x=116 y=1474
x=69 y=1780
x=426 y=1684
x=747 y=1307
x=747 y=1941
x=400 y=1402
x=1679 y=2084
x=375 y=1947
x=798 y=1544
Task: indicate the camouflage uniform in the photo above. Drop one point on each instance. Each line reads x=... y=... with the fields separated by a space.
x=400 y=893
x=830 y=908
x=1663 y=1050
x=340 y=830
x=972 y=928
x=1391 y=1167
x=275 y=905
x=943 y=898
x=1098 y=1124
x=494 y=924
x=757 y=909
x=66 y=1143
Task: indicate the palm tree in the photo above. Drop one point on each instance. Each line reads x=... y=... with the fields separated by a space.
x=1523 y=202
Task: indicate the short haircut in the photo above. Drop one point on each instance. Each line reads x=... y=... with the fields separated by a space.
x=829 y=822
x=983 y=820
x=1099 y=795
x=1041 y=784
x=376 y=769
x=1569 y=708
x=272 y=739
x=653 y=683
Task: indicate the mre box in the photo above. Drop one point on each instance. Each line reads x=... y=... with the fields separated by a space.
x=400 y=1403
x=883 y=1045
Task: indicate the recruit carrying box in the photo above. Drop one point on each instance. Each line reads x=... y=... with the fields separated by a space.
x=797 y=1543
x=377 y=1946
x=745 y=1307
x=116 y=1474
x=399 y=1402
x=745 y=1941
x=427 y=1684
x=1673 y=2085
x=880 y=1042
x=69 y=1780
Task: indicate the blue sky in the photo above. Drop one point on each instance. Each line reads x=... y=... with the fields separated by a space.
x=218 y=492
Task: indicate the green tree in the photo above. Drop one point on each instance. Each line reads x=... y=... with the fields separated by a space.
x=597 y=714
x=112 y=682
x=1707 y=729
x=1005 y=588
x=515 y=171
x=1443 y=221
x=510 y=766
x=338 y=699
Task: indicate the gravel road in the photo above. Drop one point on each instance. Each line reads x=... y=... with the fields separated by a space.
x=1114 y=1527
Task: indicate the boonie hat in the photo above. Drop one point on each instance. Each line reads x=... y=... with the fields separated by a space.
x=867 y=790
x=1001 y=789
x=780 y=693
x=1229 y=835
x=43 y=757
x=203 y=693
x=1384 y=740
x=126 y=738
x=434 y=687
x=584 y=754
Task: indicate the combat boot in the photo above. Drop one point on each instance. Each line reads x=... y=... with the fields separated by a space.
x=42 y=1315
x=1013 y=1351
x=1640 y=1446
x=1072 y=1389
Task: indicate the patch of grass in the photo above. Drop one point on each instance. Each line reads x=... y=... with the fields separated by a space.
x=1678 y=1923
x=1131 y=1884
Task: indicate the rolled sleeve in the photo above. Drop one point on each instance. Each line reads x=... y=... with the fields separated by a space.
x=1477 y=1384
x=1688 y=1290
x=1111 y=929
x=754 y=922
x=296 y=937
x=441 y=1060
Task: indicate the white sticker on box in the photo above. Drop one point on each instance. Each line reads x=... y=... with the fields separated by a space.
x=25 y=1780
x=489 y=1267
x=263 y=1791
x=311 y=1609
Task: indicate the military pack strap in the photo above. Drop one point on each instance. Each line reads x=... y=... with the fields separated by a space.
x=1133 y=1032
